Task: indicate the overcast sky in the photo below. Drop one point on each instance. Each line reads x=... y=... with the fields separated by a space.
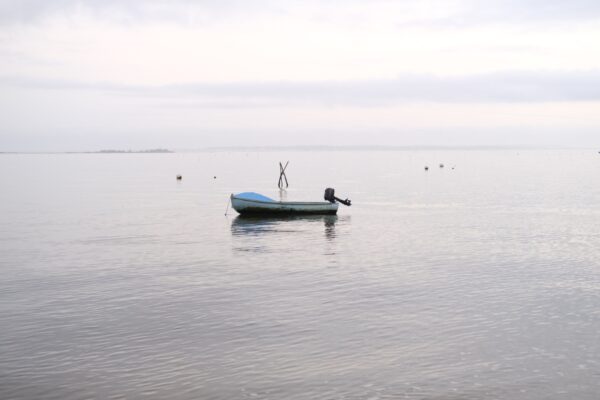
x=89 y=75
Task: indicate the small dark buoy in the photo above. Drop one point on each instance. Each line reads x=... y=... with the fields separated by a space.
x=215 y=177
x=441 y=165
x=426 y=168
x=178 y=177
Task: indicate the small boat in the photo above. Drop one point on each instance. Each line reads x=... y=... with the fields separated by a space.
x=250 y=203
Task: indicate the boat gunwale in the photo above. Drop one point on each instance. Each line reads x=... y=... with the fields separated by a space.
x=284 y=203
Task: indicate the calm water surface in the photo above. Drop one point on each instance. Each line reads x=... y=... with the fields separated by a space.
x=480 y=281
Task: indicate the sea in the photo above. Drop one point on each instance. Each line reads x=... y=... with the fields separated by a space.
x=478 y=278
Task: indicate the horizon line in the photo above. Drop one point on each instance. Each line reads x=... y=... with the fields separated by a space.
x=311 y=148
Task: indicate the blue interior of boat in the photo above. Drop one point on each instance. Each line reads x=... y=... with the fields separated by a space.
x=253 y=196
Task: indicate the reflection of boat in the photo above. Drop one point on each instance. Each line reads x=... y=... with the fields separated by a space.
x=244 y=225
x=250 y=203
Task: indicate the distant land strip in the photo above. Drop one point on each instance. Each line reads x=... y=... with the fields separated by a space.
x=313 y=148
x=111 y=151
x=383 y=148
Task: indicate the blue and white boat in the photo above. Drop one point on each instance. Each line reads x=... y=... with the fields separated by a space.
x=250 y=203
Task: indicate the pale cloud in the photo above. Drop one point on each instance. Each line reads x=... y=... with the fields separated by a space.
x=85 y=74
x=89 y=120
x=354 y=12
x=504 y=87
x=286 y=49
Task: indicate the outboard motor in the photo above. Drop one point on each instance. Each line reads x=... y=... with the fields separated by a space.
x=330 y=197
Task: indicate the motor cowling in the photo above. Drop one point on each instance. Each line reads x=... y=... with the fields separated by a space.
x=330 y=195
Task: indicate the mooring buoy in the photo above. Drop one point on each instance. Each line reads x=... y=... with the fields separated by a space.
x=178 y=177
x=426 y=168
x=441 y=165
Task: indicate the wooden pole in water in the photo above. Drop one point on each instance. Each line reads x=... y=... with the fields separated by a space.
x=227 y=209
x=282 y=176
x=280 y=172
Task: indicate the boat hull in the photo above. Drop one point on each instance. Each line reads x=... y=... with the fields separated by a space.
x=257 y=207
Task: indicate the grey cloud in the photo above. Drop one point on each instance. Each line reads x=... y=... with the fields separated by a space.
x=539 y=9
x=499 y=87
x=128 y=11
x=470 y=12
x=512 y=12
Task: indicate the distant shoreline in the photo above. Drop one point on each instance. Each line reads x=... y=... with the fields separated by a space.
x=150 y=151
x=111 y=151
x=310 y=148
x=380 y=148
